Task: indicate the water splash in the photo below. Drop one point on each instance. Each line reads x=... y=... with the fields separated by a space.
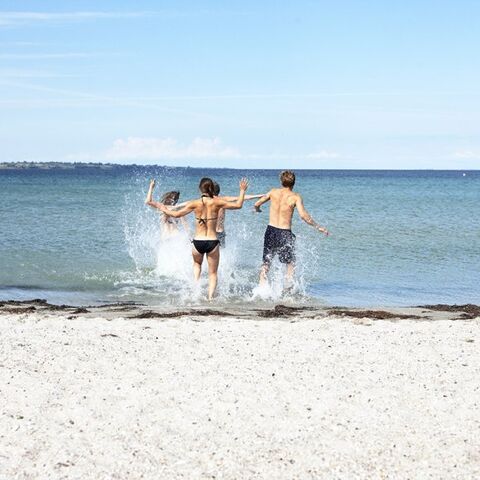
x=164 y=263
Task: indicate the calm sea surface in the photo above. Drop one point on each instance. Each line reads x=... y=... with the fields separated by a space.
x=85 y=236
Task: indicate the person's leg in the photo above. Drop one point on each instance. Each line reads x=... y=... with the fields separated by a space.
x=287 y=256
x=289 y=274
x=213 y=259
x=268 y=254
x=197 y=263
x=264 y=273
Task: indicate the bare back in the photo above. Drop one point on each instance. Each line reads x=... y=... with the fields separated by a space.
x=207 y=212
x=282 y=206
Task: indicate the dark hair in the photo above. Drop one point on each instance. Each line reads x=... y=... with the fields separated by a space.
x=206 y=186
x=170 y=198
x=287 y=178
x=216 y=188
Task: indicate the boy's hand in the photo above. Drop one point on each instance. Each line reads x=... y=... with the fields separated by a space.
x=152 y=183
x=324 y=231
x=257 y=209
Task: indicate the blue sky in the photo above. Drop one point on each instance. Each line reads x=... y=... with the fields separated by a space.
x=306 y=84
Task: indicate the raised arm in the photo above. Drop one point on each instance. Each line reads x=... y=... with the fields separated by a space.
x=264 y=199
x=188 y=208
x=149 y=200
x=307 y=218
x=178 y=206
x=247 y=197
x=238 y=203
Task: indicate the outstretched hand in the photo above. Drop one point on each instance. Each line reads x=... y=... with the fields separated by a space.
x=152 y=183
x=243 y=184
x=324 y=231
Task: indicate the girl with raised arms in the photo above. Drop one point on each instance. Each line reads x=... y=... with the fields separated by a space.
x=205 y=241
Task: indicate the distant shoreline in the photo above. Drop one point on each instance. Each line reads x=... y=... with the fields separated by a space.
x=108 y=166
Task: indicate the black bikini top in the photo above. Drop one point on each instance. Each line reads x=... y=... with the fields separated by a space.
x=204 y=220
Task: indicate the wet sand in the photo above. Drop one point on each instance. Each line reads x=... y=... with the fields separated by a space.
x=128 y=391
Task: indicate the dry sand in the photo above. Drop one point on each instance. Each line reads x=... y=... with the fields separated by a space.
x=98 y=396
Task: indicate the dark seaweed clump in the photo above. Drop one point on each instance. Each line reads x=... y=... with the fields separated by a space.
x=281 y=311
x=374 y=314
x=469 y=310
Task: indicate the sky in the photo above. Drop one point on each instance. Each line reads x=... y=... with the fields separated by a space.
x=258 y=84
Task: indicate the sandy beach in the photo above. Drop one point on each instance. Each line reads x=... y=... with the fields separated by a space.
x=103 y=396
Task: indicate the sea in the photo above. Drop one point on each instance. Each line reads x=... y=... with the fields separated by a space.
x=83 y=236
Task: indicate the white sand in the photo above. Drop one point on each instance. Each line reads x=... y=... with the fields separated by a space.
x=235 y=399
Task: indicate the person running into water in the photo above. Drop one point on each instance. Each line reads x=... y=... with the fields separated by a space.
x=169 y=226
x=279 y=239
x=221 y=213
x=205 y=241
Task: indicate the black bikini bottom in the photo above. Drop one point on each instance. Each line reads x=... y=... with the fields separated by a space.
x=205 y=246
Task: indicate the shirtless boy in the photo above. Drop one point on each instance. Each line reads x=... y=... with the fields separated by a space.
x=279 y=239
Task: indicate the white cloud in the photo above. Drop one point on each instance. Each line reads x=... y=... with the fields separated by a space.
x=167 y=149
x=42 y=56
x=144 y=148
x=467 y=155
x=21 y=18
x=21 y=73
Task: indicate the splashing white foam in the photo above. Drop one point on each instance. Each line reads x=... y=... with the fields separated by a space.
x=164 y=263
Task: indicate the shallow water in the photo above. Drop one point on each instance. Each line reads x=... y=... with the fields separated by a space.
x=85 y=236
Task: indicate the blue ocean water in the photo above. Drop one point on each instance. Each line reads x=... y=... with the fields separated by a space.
x=84 y=236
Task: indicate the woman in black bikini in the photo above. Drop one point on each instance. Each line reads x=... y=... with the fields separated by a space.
x=205 y=241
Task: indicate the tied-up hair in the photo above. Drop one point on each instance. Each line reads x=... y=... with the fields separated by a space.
x=216 y=188
x=207 y=187
x=170 y=198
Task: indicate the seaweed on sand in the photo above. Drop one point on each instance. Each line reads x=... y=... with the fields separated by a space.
x=373 y=314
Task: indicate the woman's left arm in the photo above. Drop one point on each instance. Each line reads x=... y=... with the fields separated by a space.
x=149 y=200
x=188 y=208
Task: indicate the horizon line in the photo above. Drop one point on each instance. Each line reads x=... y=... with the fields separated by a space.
x=93 y=164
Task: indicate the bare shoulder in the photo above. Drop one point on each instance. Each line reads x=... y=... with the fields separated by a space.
x=295 y=198
x=219 y=201
x=194 y=203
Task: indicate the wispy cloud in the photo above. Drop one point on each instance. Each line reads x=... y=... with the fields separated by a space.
x=22 y=44
x=19 y=18
x=164 y=149
x=73 y=98
x=300 y=95
x=44 y=56
x=21 y=73
x=135 y=148
x=467 y=155
x=22 y=18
